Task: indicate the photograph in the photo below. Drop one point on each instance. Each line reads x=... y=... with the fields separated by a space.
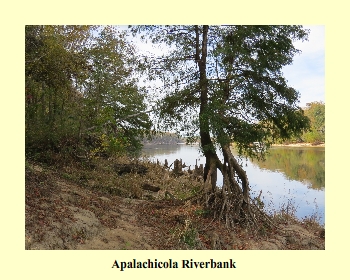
x=174 y=137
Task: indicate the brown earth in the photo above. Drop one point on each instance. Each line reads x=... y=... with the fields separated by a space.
x=61 y=214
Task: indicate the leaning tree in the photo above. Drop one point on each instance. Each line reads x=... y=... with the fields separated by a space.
x=225 y=84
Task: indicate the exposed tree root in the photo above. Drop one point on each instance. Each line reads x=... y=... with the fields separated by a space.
x=230 y=209
x=231 y=203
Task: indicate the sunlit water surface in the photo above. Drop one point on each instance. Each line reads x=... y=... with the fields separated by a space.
x=290 y=178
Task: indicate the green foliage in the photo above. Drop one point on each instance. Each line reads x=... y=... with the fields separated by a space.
x=189 y=237
x=202 y=212
x=315 y=134
x=315 y=111
x=240 y=91
x=80 y=85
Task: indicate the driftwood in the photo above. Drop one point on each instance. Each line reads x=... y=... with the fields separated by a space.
x=148 y=187
x=130 y=168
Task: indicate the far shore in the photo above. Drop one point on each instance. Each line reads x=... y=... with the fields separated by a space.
x=299 y=145
x=273 y=145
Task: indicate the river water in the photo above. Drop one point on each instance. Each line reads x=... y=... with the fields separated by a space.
x=291 y=178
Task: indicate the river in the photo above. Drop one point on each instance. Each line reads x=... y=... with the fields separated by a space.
x=292 y=178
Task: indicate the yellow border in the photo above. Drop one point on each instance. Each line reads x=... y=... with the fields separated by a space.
x=20 y=264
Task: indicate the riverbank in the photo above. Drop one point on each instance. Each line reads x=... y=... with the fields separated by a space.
x=100 y=205
x=299 y=145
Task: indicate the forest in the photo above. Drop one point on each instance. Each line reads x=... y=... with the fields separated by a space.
x=80 y=80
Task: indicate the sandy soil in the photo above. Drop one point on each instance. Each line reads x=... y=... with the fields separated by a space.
x=63 y=215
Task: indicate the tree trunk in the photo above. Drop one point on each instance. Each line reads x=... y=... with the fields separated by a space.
x=233 y=166
x=231 y=202
x=210 y=170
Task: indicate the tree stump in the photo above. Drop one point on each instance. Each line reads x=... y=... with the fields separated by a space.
x=178 y=167
x=198 y=171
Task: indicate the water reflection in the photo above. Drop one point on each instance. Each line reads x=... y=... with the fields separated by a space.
x=188 y=154
x=291 y=178
x=302 y=164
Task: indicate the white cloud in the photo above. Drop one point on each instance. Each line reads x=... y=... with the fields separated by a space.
x=316 y=41
x=307 y=73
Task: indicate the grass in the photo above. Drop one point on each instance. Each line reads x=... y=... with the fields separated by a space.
x=127 y=246
x=189 y=237
x=182 y=226
x=99 y=175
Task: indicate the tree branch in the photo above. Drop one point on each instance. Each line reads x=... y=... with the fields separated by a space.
x=122 y=119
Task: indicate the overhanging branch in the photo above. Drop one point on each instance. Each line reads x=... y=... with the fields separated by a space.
x=122 y=119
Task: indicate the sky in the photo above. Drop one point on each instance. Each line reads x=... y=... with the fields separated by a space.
x=307 y=72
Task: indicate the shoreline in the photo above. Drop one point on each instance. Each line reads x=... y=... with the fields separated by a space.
x=273 y=145
x=123 y=215
x=299 y=145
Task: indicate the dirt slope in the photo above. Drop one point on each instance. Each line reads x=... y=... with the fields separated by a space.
x=63 y=215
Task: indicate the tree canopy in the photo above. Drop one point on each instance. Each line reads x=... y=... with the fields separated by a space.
x=225 y=84
x=81 y=90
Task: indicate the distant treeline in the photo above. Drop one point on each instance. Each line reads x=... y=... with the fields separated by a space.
x=164 y=139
